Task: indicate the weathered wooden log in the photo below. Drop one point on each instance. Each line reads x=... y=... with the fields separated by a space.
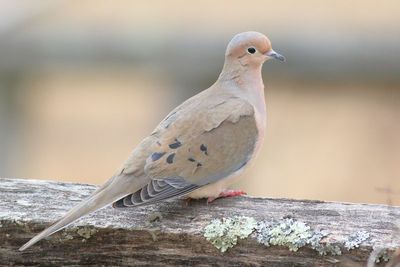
x=172 y=233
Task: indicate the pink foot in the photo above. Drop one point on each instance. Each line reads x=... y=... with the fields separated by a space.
x=227 y=193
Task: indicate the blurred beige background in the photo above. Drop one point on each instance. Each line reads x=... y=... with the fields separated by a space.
x=81 y=83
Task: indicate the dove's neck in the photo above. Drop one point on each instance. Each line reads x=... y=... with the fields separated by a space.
x=246 y=82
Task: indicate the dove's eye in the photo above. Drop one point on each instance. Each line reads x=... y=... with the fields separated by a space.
x=251 y=50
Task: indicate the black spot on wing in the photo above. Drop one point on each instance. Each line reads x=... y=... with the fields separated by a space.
x=199 y=164
x=157 y=155
x=175 y=145
x=170 y=158
x=204 y=149
x=191 y=159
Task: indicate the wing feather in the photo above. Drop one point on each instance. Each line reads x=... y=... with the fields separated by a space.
x=196 y=149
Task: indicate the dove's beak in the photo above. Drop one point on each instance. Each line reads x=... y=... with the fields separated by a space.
x=272 y=54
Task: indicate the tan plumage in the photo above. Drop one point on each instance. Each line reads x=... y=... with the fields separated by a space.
x=199 y=146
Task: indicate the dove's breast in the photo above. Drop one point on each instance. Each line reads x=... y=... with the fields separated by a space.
x=257 y=100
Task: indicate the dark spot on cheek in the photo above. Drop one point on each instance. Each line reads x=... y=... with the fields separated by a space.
x=191 y=159
x=157 y=155
x=204 y=149
x=175 y=145
x=170 y=158
x=199 y=164
x=158 y=143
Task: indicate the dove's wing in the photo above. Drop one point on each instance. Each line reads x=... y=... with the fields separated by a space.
x=204 y=140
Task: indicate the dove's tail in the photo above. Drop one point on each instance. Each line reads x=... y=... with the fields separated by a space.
x=107 y=194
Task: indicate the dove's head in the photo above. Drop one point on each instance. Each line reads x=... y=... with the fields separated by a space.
x=251 y=49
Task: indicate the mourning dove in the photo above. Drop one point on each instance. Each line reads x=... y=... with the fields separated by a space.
x=200 y=146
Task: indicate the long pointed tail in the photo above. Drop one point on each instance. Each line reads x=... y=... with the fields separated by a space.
x=110 y=192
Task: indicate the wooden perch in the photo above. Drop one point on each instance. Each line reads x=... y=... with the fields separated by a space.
x=172 y=233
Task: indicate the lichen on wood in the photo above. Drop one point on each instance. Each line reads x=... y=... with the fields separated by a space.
x=172 y=233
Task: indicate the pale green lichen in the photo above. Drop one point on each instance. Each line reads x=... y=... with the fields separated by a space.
x=155 y=216
x=67 y=236
x=381 y=255
x=355 y=240
x=288 y=232
x=153 y=233
x=294 y=234
x=223 y=234
x=328 y=248
x=86 y=232
x=19 y=223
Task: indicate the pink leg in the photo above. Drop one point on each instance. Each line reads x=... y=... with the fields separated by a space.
x=227 y=193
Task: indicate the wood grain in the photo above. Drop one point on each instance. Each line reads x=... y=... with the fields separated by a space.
x=171 y=233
